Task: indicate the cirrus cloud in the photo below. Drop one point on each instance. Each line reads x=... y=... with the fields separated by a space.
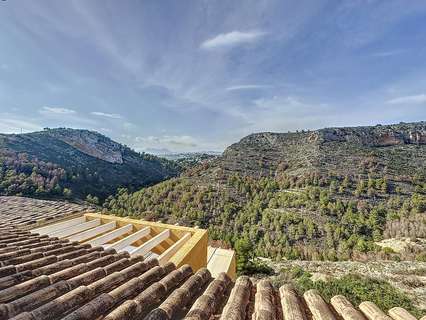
x=56 y=110
x=13 y=125
x=106 y=115
x=231 y=39
x=413 y=99
x=247 y=87
x=175 y=140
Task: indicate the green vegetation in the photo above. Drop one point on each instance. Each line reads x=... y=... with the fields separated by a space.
x=246 y=261
x=421 y=257
x=41 y=164
x=329 y=194
x=20 y=175
x=281 y=217
x=358 y=289
x=190 y=159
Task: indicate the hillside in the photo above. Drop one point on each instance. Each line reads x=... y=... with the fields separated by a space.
x=74 y=163
x=395 y=150
x=327 y=194
x=191 y=159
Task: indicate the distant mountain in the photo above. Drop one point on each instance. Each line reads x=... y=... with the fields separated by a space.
x=191 y=155
x=158 y=151
x=333 y=193
x=395 y=150
x=188 y=160
x=74 y=163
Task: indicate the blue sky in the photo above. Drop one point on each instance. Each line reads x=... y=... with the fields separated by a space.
x=200 y=75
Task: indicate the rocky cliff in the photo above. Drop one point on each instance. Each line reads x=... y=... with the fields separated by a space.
x=90 y=143
x=377 y=136
x=397 y=149
x=84 y=162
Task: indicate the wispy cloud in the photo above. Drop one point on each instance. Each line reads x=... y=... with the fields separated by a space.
x=414 y=99
x=55 y=110
x=248 y=87
x=106 y=115
x=287 y=113
x=65 y=117
x=9 y=125
x=171 y=143
x=384 y=54
x=168 y=140
x=231 y=39
x=277 y=102
x=201 y=82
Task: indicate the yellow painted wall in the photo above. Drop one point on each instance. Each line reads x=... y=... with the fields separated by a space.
x=232 y=270
x=193 y=252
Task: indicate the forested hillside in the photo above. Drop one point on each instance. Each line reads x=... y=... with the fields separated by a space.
x=73 y=163
x=328 y=194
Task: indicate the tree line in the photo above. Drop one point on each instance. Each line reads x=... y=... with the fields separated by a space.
x=311 y=217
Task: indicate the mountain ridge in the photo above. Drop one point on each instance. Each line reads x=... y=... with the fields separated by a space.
x=82 y=161
x=309 y=149
x=299 y=195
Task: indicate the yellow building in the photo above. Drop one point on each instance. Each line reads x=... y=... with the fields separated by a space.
x=167 y=243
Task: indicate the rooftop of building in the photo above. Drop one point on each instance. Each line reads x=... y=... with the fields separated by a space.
x=66 y=270
x=26 y=213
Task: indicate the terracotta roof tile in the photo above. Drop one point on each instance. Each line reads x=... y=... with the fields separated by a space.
x=238 y=300
x=291 y=303
x=265 y=306
x=8 y=281
x=319 y=309
x=345 y=309
x=52 y=268
x=398 y=313
x=117 y=287
x=372 y=311
x=44 y=278
x=209 y=301
x=26 y=212
x=37 y=298
x=180 y=297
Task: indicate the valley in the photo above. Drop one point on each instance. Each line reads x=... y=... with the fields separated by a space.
x=75 y=164
x=332 y=194
x=213 y=160
x=339 y=210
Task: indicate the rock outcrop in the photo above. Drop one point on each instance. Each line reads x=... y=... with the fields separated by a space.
x=91 y=143
x=379 y=136
x=327 y=149
x=81 y=161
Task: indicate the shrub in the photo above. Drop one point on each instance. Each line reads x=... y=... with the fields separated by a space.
x=358 y=289
x=421 y=257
